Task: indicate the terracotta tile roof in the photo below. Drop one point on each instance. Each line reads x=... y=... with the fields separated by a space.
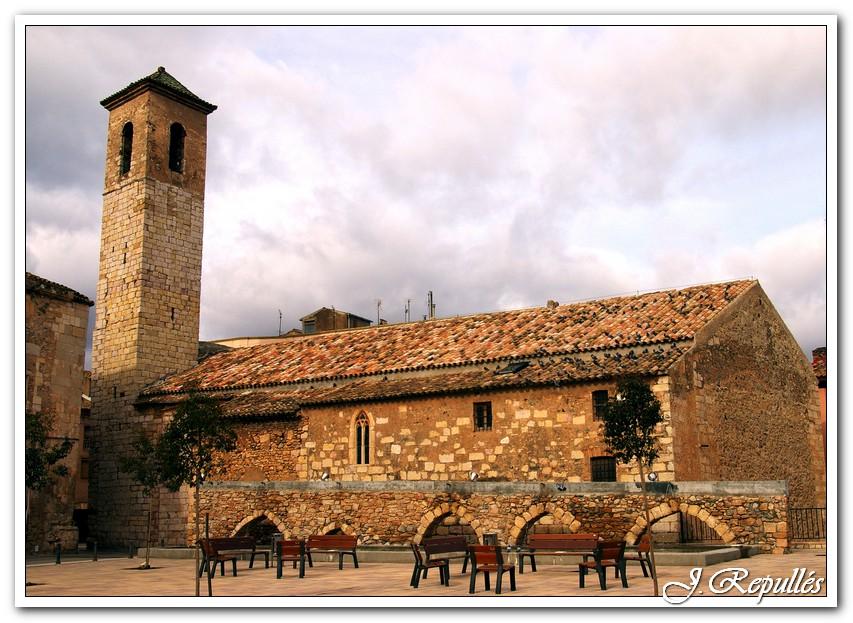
x=627 y=321
x=819 y=362
x=40 y=285
x=538 y=372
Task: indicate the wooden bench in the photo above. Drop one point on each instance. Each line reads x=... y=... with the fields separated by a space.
x=557 y=545
x=447 y=547
x=220 y=550
x=340 y=544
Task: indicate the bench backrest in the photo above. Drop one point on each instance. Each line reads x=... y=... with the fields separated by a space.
x=342 y=541
x=234 y=542
x=445 y=544
x=581 y=541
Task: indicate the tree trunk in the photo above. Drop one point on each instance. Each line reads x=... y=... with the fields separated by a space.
x=148 y=534
x=197 y=522
x=649 y=528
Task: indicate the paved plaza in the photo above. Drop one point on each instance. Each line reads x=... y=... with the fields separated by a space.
x=174 y=578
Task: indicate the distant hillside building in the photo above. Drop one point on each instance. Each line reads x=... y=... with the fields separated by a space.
x=56 y=322
x=325 y=319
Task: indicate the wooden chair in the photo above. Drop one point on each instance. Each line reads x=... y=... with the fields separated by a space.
x=290 y=551
x=486 y=559
x=607 y=554
x=641 y=556
x=421 y=565
x=212 y=555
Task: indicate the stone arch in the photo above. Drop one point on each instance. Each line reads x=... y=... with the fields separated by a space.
x=279 y=524
x=524 y=521
x=666 y=509
x=334 y=527
x=440 y=511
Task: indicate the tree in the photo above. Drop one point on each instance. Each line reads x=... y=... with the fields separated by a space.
x=42 y=454
x=143 y=465
x=630 y=420
x=188 y=447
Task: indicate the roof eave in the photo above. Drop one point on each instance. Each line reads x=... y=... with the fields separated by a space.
x=125 y=95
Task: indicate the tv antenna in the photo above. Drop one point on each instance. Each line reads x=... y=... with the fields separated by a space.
x=378 y=308
x=430 y=306
x=279 y=322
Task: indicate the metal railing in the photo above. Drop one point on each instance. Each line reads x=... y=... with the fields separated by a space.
x=807 y=523
x=694 y=530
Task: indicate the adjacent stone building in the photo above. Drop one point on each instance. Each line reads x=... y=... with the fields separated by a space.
x=474 y=423
x=56 y=321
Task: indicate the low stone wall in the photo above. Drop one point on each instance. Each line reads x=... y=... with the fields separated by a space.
x=397 y=512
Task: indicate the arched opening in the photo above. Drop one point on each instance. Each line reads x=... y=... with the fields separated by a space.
x=681 y=525
x=452 y=524
x=260 y=528
x=126 y=147
x=176 y=147
x=360 y=439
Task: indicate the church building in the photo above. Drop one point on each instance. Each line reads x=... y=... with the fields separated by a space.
x=487 y=423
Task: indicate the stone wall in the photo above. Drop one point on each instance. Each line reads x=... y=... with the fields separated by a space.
x=147 y=300
x=537 y=434
x=744 y=404
x=401 y=512
x=55 y=347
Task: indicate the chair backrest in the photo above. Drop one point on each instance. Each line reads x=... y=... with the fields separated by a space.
x=644 y=545
x=610 y=550
x=332 y=540
x=416 y=550
x=445 y=544
x=207 y=547
x=292 y=547
x=486 y=554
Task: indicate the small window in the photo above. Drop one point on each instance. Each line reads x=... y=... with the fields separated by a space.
x=603 y=468
x=482 y=416
x=126 y=147
x=309 y=326
x=599 y=404
x=362 y=439
x=176 y=147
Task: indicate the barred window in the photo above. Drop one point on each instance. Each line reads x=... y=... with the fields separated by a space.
x=603 y=468
x=599 y=404
x=482 y=416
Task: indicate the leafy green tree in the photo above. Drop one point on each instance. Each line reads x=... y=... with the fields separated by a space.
x=42 y=454
x=630 y=421
x=189 y=446
x=143 y=465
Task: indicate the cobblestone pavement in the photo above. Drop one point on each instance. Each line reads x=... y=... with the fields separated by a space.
x=174 y=578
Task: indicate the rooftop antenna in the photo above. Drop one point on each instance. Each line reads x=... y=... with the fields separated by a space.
x=279 y=322
x=430 y=306
x=408 y=311
x=378 y=307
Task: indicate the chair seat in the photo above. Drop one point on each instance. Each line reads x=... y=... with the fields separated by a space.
x=590 y=564
x=489 y=567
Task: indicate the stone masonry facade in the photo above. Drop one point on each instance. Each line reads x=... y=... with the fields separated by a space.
x=56 y=321
x=749 y=513
x=148 y=292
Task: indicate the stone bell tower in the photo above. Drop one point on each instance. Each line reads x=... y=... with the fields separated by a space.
x=149 y=280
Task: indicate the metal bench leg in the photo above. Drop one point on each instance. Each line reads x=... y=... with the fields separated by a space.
x=512 y=579
x=340 y=560
x=602 y=578
x=488 y=582
x=355 y=560
x=301 y=566
x=464 y=562
x=416 y=576
x=473 y=583
x=624 y=574
x=233 y=567
x=498 y=582
x=581 y=575
x=533 y=563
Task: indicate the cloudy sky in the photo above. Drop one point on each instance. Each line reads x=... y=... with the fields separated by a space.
x=498 y=167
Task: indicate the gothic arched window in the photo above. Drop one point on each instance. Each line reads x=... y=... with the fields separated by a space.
x=176 y=147
x=126 y=147
x=362 y=439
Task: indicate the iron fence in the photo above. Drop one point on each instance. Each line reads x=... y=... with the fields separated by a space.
x=694 y=530
x=807 y=523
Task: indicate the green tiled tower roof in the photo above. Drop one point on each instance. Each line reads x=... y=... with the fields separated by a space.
x=162 y=82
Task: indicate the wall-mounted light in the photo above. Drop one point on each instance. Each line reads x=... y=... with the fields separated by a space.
x=473 y=476
x=561 y=486
x=653 y=476
x=325 y=475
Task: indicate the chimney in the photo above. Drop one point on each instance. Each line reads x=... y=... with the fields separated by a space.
x=551 y=304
